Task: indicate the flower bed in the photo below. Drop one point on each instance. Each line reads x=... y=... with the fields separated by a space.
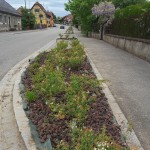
x=70 y=30
x=68 y=35
x=67 y=104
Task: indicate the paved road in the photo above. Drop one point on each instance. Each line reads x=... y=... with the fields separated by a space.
x=15 y=46
x=129 y=81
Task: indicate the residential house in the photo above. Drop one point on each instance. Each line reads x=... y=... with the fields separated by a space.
x=10 y=19
x=44 y=19
x=66 y=19
x=19 y=10
x=50 y=19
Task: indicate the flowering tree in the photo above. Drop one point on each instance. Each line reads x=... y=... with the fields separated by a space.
x=106 y=11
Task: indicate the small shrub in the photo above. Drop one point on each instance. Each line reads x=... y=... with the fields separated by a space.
x=31 y=96
x=74 y=43
x=62 y=45
x=53 y=83
x=132 y=21
x=60 y=35
x=67 y=36
x=86 y=139
x=62 y=146
x=86 y=81
x=74 y=62
x=69 y=30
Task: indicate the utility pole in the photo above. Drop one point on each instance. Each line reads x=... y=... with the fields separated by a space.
x=25 y=3
x=29 y=4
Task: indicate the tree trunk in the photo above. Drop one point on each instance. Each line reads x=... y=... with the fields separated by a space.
x=102 y=30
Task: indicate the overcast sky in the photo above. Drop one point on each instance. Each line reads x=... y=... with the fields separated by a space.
x=56 y=6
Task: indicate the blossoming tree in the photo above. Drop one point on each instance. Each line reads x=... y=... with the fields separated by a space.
x=106 y=11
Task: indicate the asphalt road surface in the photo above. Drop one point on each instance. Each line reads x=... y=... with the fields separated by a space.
x=15 y=46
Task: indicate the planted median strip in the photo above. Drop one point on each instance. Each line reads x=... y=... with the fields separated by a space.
x=66 y=102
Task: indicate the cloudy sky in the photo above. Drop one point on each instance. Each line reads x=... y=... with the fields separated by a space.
x=56 y=6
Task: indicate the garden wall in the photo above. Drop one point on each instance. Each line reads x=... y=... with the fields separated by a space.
x=93 y=35
x=138 y=47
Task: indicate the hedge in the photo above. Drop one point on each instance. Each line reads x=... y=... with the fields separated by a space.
x=132 y=21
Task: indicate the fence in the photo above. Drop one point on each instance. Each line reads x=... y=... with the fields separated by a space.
x=137 y=26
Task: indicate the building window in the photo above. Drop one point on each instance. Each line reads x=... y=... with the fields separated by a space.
x=36 y=10
x=41 y=16
x=5 y=19
x=0 y=18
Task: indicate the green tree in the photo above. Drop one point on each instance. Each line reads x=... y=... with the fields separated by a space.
x=82 y=13
x=125 y=3
x=54 y=17
x=28 y=19
x=57 y=19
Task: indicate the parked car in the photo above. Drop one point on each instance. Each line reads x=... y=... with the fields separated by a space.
x=62 y=27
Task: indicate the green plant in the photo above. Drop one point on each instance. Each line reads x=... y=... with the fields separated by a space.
x=132 y=21
x=67 y=36
x=82 y=14
x=76 y=105
x=74 y=43
x=130 y=11
x=31 y=96
x=62 y=146
x=74 y=62
x=84 y=82
x=62 y=45
x=28 y=19
x=86 y=139
x=60 y=35
x=129 y=127
x=123 y=4
x=69 y=30
x=71 y=58
x=53 y=83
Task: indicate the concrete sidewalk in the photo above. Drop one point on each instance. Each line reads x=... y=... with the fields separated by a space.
x=129 y=81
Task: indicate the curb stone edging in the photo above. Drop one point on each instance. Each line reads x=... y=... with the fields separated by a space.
x=21 y=118
x=131 y=138
x=10 y=83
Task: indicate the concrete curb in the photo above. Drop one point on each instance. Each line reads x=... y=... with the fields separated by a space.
x=130 y=136
x=10 y=83
x=21 y=118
